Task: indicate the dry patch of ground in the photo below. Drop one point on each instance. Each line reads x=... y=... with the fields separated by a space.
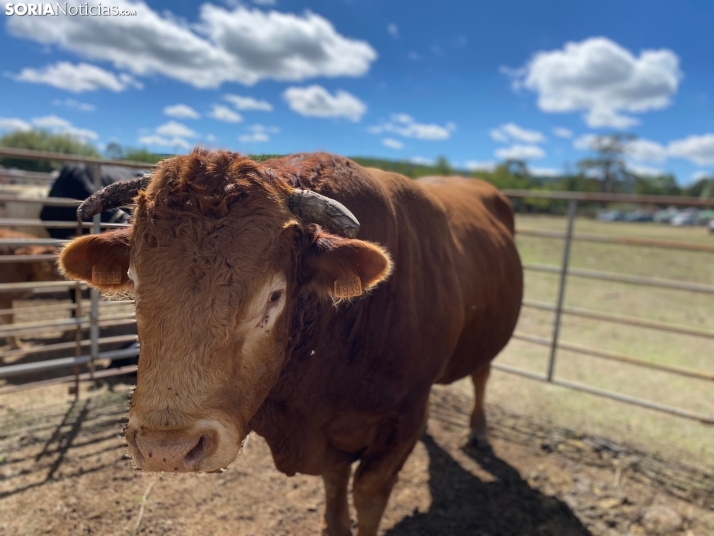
x=64 y=472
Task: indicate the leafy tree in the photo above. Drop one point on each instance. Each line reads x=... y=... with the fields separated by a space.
x=42 y=140
x=665 y=184
x=114 y=151
x=443 y=168
x=143 y=155
x=609 y=164
x=703 y=188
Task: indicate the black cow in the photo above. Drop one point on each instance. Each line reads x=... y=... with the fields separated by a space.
x=75 y=181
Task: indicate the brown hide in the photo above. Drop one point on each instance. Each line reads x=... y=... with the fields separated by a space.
x=23 y=272
x=238 y=330
x=448 y=308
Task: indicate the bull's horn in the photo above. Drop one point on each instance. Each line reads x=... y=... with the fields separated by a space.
x=313 y=207
x=112 y=196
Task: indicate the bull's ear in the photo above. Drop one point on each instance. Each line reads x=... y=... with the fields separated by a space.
x=102 y=260
x=345 y=267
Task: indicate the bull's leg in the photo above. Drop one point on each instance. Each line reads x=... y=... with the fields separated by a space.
x=337 y=514
x=377 y=474
x=478 y=436
x=7 y=320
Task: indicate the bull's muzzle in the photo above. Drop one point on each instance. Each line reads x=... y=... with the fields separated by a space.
x=199 y=448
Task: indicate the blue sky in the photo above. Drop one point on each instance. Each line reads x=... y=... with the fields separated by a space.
x=474 y=81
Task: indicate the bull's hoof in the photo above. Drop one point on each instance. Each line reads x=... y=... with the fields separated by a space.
x=336 y=531
x=478 y=440
x=16 y=343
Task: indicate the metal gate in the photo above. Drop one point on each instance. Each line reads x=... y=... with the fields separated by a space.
x=100 y=314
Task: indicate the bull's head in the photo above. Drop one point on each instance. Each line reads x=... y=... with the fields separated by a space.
x=219 y=252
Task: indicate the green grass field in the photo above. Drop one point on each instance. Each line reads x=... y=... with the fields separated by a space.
x=646 y=429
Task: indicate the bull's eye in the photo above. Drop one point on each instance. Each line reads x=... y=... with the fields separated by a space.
x=275 y=297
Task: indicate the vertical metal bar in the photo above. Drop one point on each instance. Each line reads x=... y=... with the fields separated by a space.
x=95 y=171
x=572 y=208
x=77 y=317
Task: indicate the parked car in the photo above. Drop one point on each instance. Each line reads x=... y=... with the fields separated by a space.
x=705 y=217
x=711 y=226
x=665 y=215
x=610 y=215
x=639 y=215
x=685 y=217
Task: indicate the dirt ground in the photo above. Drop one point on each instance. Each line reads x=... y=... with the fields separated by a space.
x=64 y=471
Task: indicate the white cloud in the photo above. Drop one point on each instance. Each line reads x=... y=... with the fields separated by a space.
x=585 y=141
x=422 y=161
x=392 y=143
x=249 y=103
x=174 y=128
x=476 y=165
x=698 y=149
x=520 y=152
x=51 y=123
x=700 y=174
x=405 y=125
x=643 y=150
x=255 y=137
x=562 y=132
x=62 y=126
x=76 y=78
x=165 y=142
x=258 y=134
x=414 y=56
x=181 y=111
x=601 y=78
x=644 y=171
x=224 y=113
x=242 y=44
x=602 y=117
x=511 y=131
x=73 y=104
x=316 y=101
x=393 y=30
x=545 y=172
x=13 y=123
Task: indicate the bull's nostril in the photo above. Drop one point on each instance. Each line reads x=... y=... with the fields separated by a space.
x=196 y=453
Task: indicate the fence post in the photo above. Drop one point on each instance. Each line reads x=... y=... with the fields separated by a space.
x=96 y=175
x=572 y=209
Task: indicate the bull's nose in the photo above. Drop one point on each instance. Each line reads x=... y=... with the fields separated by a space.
x=178 y=451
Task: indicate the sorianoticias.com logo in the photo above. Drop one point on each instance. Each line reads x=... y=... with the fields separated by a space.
x=58 y=9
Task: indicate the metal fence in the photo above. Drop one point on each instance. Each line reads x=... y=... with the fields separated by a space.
x=564 y=271
x=99 y=314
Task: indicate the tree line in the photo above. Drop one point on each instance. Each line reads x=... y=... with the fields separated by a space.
x=605 y=170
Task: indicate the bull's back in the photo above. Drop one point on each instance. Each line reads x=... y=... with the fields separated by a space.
x=487 y=265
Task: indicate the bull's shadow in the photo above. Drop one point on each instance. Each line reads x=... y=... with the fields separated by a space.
x=463 y=505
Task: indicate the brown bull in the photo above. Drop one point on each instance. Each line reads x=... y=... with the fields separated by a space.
x=23 y=271
x=235 y=267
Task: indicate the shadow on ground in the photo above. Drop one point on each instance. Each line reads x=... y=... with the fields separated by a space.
x=464 y=505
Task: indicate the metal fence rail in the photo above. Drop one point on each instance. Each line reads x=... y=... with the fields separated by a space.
x=564 y=271
x=97 y=317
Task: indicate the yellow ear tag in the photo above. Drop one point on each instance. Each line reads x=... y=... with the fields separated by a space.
x=100 y=277
x=348 y=287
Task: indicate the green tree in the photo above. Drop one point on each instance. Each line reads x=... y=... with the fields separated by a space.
x=143 y=155
x=114 y=151
x=42 y=140
x=608 y=165
x=443 y=168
